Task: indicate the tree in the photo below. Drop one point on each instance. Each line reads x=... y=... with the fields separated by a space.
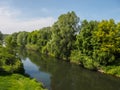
x=84 y=38
x=63 y=35
x=43 y=36
x=9 y=62
x=9 y=42
x=84 y=44
x=22 y=38
x=105 y=41
x=1 y=37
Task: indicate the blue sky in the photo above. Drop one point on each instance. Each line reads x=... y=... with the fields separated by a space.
x=19 y=15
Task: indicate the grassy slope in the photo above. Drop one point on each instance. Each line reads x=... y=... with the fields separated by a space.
x=19 y=82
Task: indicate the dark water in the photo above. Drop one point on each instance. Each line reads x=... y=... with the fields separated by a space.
x=59 y=75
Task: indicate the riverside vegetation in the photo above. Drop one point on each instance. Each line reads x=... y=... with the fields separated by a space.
x=12 y=75
x=93 y=44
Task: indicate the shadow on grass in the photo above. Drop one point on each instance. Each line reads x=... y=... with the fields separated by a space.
x=3 y=73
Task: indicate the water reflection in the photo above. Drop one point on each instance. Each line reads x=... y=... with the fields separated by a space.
x=59 y=75
x=34 y=71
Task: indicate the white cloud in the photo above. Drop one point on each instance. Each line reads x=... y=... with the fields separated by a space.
x=10 y=22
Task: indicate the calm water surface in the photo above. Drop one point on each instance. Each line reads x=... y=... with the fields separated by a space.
x=59 y=75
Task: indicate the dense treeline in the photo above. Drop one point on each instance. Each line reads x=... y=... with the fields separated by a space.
x=93 y=44
x=98 y=43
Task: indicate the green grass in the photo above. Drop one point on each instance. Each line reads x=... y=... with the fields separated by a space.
x=19 y=82
x=112 y=70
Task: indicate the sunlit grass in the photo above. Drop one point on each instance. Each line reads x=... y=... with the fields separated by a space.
x=113 y=70
x=19 y=82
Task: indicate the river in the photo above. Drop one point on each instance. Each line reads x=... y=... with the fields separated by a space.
x=56 y=74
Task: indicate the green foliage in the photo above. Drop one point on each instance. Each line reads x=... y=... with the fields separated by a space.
x=11 y=40
x=19 y=82
x=92 y=43
x=106 y=39
x=75 y=56
x=63 y=35
x=44 y=35
x=9 y=62
x=38 y=39
x=88 y=63
x=1 y=37
x=33 y=37
x=113 y=70
x=32 y=47
x=102 y=57
x=85 y=61
x=98 y=42
x=84 y=38
x=22 y=38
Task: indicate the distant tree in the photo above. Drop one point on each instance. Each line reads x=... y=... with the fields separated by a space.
x=9 y=42
x=1 y=37
x=22 y=38
x=43 y=36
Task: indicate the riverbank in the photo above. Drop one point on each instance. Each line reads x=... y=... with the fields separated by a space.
x=12 y=75
x=45 y=69
x=110 y=70
x=91 y=64
x=19 y=82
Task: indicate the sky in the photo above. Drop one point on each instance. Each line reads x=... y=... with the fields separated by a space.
x=29 y=15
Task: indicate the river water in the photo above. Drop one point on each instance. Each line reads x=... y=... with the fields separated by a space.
x=56 y=74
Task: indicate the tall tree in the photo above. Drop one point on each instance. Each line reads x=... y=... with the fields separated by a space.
x=104 y=40
x=63 y=35
x=84 y=38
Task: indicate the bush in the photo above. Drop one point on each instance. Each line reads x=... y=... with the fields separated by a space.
x=75 y=56
x=103 y=58
x=113 y=70
x=10 y=63
x=88 y=63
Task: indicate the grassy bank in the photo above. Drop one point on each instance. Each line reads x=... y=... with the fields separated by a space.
x=19 y=82
x=112 y=70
